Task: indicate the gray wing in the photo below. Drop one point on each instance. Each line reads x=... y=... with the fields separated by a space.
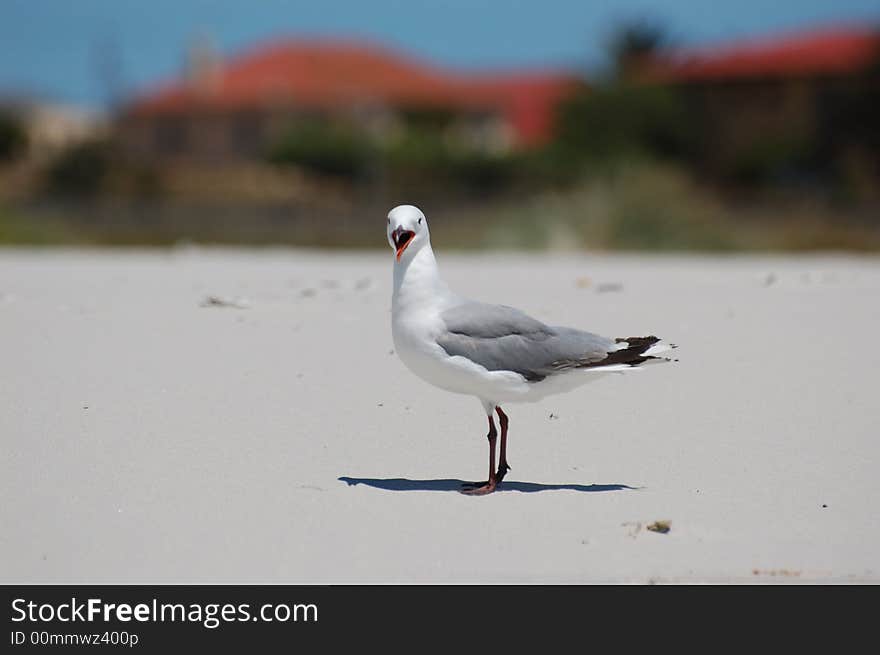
x=502 y=338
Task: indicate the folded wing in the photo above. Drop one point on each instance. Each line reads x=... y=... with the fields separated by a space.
x=502 y=338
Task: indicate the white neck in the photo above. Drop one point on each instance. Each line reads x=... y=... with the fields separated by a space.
x=417 y=280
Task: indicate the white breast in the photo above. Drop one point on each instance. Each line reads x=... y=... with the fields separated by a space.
x=415 y=343
x=419 y=299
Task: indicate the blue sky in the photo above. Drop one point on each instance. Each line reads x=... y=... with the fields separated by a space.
x=54 y=48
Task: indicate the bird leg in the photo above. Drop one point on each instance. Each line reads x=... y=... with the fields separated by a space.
x=489 y=486
x=503 y=466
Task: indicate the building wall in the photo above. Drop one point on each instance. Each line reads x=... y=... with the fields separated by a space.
x=815 y=122
x=738 y=117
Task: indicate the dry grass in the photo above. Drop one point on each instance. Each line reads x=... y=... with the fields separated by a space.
x=651 y=207
x=637 y=206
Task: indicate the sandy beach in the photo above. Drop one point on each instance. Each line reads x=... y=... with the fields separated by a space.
x=202 y=415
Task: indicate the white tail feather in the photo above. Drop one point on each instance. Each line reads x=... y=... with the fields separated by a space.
x=611 y=368
x=658 y=348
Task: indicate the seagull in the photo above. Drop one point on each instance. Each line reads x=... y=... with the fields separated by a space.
x=493 y=352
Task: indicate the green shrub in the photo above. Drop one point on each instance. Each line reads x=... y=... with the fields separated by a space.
x=622 y=120
x=427 y=157
x=771 y=159
x=420 y=155
x=13 y=138
x=80 y=170
x=324 y=149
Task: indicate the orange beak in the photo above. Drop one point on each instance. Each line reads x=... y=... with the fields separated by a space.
x=402 y=239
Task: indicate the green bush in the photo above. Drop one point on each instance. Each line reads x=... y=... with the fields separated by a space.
x=13 y=138
x=426 y=156
x=620 y=120
x=772 y=159
x=80 y=170
x=419 y=155
x=324 y=149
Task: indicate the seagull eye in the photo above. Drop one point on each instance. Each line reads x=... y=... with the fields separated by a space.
x=420 y=221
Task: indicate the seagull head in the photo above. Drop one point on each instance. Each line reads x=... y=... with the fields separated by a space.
x=407 y=230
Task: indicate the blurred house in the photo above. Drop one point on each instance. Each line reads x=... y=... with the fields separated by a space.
x=812 y=94
x=237 y=109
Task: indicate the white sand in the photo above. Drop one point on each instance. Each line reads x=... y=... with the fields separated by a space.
x=148 y=439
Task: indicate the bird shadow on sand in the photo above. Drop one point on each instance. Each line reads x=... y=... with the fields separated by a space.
x=451 y=484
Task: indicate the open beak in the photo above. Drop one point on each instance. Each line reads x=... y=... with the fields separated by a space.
x=401 y=239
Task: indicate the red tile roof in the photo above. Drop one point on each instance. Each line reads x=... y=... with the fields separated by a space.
x=831 y=51
x=336 y=74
